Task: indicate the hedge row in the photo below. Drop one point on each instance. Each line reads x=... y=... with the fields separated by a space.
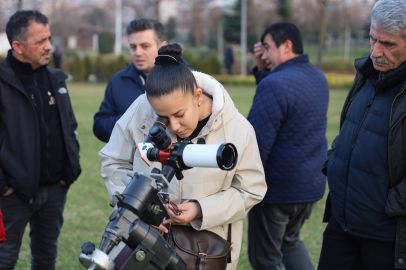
x=334 y=80
x=208 y=64
x=105 y=67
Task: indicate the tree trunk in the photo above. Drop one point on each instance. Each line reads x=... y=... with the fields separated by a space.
x=322 y=34
x=156 y=7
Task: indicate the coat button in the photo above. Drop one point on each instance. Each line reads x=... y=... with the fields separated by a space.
x=142 y=127
x=400 y=260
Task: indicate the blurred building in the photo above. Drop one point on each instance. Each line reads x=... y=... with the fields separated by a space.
x=4 y=44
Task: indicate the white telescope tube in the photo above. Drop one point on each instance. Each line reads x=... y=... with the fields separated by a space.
x=223 y=156
x=200 y=155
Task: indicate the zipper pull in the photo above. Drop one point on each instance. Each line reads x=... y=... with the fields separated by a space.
x=33 y=100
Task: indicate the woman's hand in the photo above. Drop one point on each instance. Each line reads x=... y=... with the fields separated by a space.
x=161 y=228
x=8 y=192
x=189 y=212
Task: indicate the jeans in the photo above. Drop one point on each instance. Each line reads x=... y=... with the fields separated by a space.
x=341 y=250
x=274 y=236
x=45 y=218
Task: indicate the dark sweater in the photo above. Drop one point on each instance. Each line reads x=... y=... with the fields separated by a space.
x=289 y=115
x=37 y=85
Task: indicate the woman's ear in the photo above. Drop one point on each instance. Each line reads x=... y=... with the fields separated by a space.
x=198 y=95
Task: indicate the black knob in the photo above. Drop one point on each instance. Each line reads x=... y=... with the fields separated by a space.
x=88 y=248
x=114 y=215
x=154 y=131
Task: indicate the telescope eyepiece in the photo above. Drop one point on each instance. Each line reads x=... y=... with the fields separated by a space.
x=159 y=138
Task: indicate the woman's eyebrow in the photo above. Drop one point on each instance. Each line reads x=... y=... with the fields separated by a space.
x=177 y=112
x=172 y=114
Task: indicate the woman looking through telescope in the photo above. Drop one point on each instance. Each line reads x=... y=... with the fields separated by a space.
x=197 y=107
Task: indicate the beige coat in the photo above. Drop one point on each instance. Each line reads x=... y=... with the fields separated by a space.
x=224 y=197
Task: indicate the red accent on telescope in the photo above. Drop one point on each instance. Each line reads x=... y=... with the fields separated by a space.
x=163 y=156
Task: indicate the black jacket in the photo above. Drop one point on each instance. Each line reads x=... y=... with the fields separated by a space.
x=396 y=195
x=19 y=134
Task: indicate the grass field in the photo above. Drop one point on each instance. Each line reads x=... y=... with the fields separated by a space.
x=87 y=211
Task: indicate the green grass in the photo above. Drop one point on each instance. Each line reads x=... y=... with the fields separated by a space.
x=87 y=211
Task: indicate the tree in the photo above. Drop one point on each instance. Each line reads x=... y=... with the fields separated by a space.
x=145 y=8
x=97 y=17
x=196 y=19
x=284 y=9
x=170 y=28
x=322 y=32
x=106 y=42
x=232 y=25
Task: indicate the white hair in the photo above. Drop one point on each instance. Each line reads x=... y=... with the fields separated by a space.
x=389 y=15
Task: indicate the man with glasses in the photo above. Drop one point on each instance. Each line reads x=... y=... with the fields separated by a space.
x=289 y=117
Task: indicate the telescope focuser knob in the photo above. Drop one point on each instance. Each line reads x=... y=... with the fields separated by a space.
x=140 y=255
x=116 y=198
x=156 y=210
x=88 y=248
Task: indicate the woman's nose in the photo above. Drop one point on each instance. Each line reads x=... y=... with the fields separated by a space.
x=173 y=125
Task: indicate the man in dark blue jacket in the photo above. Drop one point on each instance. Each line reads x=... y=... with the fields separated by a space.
x=145 y=36
x=366 y=166
x=289 y=115
x=39 y=152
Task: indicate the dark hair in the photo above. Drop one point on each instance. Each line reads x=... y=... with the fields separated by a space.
x=17 y=26
x=146 y=24
x=283 y=31
x=168 y=74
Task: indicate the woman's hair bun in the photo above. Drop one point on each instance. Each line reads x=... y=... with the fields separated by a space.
x=169 y=55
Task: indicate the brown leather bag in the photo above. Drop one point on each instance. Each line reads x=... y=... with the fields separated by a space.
x=200 y=249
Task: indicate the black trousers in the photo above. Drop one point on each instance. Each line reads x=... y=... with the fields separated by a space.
x=274 y=236
x=45 y=216
x=341 y=250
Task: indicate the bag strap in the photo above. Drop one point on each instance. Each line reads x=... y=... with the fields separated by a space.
x=231 y=244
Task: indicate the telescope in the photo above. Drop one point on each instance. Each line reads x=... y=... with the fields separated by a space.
x=139 y=206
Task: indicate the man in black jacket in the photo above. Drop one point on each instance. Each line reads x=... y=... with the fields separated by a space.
x=39 y=152
x=366 y=207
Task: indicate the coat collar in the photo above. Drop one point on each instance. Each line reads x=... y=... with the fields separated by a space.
x=133 y=73
x=363 y=66
x=384 y=80
x=8 y=75
x=301 y=59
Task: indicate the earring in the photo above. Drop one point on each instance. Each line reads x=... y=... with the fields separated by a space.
x=199 y=104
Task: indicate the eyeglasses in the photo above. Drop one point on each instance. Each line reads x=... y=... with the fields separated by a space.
x=165 y=200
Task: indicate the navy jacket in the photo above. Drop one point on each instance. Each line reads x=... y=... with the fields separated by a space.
x=20 y=135
x=358 y=170
x=396 y=188
x=289 y=115
x=123 y=88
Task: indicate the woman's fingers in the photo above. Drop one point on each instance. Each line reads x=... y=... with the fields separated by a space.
x=161 y=228
x=167 y=221
x=189 y=211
